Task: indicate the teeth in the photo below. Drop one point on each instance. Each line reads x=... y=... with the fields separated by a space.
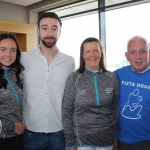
x=7 y=59
x=92 y=59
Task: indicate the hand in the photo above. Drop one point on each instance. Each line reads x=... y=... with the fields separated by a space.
x=115 y=145
x=20 y=128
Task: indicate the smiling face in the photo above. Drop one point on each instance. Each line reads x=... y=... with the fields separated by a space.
x=92 y=55
x=8 y=52
x=49 y=31
x=138 y=55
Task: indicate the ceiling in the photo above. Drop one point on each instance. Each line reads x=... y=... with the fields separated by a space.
x=82 y=6
x=29 y=2
x=66 y=10
x=21 y=2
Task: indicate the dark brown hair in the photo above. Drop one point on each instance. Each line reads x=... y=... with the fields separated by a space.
x=16 y=66
x=81 y=68
x=48 y=15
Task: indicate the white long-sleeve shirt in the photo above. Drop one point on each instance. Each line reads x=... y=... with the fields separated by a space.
x=43 y=90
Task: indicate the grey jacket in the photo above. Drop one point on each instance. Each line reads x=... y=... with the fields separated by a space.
x=90 y=109
x=11 y=108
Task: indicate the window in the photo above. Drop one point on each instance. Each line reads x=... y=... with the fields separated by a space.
x=74 y=31
x=121 y=25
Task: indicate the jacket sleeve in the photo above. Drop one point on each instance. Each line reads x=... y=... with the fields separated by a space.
x=68 y=110
x=115 y=102
x=6 y=125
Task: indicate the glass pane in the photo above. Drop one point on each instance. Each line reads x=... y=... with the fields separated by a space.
x=76 y=8
x=121 y=25
x=74 y=31
x=113 y=2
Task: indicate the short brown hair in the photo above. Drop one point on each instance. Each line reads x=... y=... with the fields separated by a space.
x=48 y=15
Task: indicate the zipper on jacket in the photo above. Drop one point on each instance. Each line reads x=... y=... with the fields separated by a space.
x=11 y=86
x=96 y=90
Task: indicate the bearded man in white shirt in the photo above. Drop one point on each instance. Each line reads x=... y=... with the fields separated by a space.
x=44 y=78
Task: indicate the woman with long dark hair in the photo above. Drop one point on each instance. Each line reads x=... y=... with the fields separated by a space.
x=11 y=118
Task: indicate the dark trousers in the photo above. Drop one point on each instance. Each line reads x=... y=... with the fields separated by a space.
x=43 y=141
x=13 y=143
x=140 y=146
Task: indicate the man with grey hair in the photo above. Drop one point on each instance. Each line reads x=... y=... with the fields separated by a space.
x=134 y=100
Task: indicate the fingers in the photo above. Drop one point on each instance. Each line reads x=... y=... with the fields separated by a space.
x=24 y=128
x=20 y=128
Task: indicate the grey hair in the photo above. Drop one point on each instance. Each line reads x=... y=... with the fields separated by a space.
x=137 y=38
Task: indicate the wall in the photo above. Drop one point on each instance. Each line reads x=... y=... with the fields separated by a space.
x=34 y=9
x=12 y=12
x=23 y=32
x=29 y=14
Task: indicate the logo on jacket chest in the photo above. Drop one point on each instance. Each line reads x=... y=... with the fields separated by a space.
x=108 y=90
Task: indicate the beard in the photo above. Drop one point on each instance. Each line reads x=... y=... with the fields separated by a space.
x=48 y=44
